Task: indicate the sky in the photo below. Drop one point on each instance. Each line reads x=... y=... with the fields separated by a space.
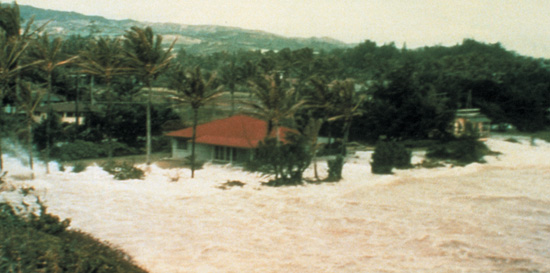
x=522 y=26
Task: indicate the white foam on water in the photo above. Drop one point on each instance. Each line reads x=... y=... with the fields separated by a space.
x=491 y=217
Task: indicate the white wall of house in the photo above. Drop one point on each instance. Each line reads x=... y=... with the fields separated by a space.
x=182 y=150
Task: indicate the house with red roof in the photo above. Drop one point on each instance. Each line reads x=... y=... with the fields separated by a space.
x=232 y=139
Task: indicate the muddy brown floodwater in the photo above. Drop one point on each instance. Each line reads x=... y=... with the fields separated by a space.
x=491 y=217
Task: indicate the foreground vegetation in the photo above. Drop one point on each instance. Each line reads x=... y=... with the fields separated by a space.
x=42 y=242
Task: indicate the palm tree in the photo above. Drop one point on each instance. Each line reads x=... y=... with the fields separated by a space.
x=147 y=59
x=272 y=102
x=105 y=58
x=11 y=52
x=49 y=53
x=190 y=88
x=230 y=77
x=12 y=48
x=321 y=103
x=28 y=103
x=347 y=106
x=9 y=57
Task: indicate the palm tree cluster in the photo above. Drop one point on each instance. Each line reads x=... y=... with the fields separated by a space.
x=34 y=66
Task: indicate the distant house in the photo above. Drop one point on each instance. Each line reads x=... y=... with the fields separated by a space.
x=232 y=139
x=66 y=110
x=470 y=122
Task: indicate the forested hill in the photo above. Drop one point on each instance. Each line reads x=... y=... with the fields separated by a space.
x=202 y=39
x=409 y=93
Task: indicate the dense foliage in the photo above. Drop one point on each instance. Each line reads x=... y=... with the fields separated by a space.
x=335 y=167
x=286 y=161
x=388 y=155
x=460 y=151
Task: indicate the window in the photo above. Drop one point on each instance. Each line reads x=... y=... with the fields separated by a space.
x=224 y=153
x=181 y=144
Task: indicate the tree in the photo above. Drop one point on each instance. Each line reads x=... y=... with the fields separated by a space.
x=347 y=107
x=287 y=161
x=147 y=59
x=28 y=103
x=230 y=77
x=105 y=59
x=13 y=46
x=49 y=53
x=321 y=103
x=190 y=88
x=272 y=102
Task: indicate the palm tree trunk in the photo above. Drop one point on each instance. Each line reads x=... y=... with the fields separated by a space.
x=48 y=125
x=317 y=127
x=347 y=126
x=194 y=136
x=2 y=90
x=76 y=108
x=1 y=156
x=148 y=124
x=109 y=121
x=29 y=145
x=232 y=101
x=278 y=167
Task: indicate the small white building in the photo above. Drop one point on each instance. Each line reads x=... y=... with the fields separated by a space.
x=470 y=122
x=231 y=140
x=66 y=110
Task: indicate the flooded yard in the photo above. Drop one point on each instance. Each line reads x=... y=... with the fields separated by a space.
x=492 y=217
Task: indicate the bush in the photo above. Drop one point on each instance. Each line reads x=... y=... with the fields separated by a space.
x=44 y=244
x=460 y=151
x=334 y=148
x=389 y=155
x=287 y=161
x=80 y=149
x=123 y=171
x=79 y=167
x=335 y=167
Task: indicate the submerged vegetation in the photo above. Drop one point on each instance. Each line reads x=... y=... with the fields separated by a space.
x=389 y=155
x=460 y=151
x=123 y=170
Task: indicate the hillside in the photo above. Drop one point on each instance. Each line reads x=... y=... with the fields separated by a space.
x=195 y=39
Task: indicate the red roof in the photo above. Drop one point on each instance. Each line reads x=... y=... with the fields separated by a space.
x=236 y=131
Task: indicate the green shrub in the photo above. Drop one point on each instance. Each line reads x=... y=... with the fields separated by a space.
x=120 y=149
x=460 y=151
x=78 y=149
x=44 y=244
x=389 y=155
x=287 y=161
x=335 y=167
x=123 y=171
x=79 y=167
